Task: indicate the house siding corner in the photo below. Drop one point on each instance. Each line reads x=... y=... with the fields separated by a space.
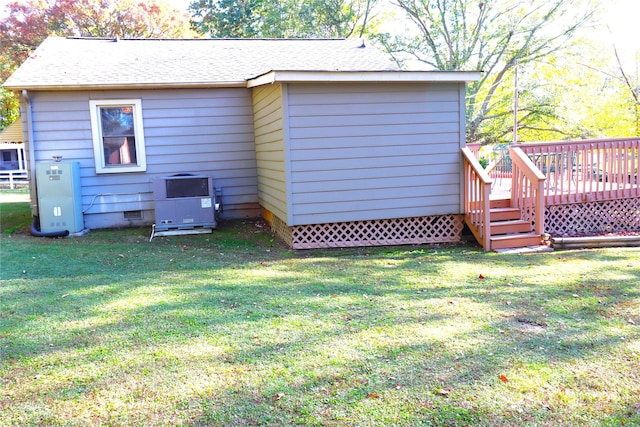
x=269 y=133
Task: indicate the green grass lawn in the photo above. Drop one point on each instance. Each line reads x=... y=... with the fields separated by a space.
x=234 y=329
x=14 y=216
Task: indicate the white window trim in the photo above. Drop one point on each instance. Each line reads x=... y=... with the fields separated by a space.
x=96 y=132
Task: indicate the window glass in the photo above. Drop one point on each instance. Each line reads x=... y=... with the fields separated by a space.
x=118 y=140
x=118 y=135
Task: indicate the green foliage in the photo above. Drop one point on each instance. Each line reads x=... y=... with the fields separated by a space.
x=490 y=36
x=226 y=18
x=281 y=19
x=9 y=108
x=588 y=92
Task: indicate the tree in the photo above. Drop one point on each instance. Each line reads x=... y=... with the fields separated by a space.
x=29 y=22
x=494 y=36
x=9 y=108
x=631 y=86
x=592 y=94
x=281 y=19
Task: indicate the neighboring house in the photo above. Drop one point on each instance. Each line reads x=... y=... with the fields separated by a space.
x=12 y=148
x=326 y=138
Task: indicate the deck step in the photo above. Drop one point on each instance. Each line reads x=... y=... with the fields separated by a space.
x=516 y=240
x=511 y=226
x=504 y=214
x=499 y=203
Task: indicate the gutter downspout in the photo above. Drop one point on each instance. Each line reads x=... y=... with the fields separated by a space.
x=32 y=151
x=32 y=176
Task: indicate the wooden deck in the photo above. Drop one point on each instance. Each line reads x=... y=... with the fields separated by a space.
x=558 y=188
x=587 y=171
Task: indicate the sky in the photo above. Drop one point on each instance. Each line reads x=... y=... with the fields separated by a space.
x=622 y=19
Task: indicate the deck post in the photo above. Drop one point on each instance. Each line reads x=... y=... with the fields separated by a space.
x=486 y=220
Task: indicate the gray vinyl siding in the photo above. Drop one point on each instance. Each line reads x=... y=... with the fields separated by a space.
x=270 y=148
x=374 y=151
x=186 y=131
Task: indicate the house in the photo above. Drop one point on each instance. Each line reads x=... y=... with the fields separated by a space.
x=327 y=139
x=12 y=148
x=13 y=164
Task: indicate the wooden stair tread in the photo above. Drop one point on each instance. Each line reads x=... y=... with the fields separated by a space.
x=512 y=236
x=504 y=214
x=499 y=202
x=510 y=227
x=509 y=221
x=514 y=240
x=504 y=210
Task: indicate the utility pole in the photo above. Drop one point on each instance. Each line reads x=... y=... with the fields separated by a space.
x=515 y=106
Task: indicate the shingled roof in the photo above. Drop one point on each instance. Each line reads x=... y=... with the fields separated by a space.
x=12 y=133
x=64 y=63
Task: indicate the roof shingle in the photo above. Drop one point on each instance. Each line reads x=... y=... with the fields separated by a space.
x=76 y=63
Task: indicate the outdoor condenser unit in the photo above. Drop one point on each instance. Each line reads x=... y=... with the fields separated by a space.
x=59 y=197
x=185 y=202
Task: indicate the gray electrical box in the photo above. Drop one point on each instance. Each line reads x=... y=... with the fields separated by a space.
x=59 y=197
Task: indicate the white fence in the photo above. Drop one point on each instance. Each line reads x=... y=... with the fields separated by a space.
x=13 y=178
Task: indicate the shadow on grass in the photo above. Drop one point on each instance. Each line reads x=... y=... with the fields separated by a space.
x=256 y=334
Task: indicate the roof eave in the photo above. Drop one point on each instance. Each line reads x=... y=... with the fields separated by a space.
x=126 y=86
x=363 y=76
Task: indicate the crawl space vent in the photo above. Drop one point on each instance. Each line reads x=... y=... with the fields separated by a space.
x=133 y=215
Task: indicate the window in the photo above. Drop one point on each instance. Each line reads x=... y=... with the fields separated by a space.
x=118 y=140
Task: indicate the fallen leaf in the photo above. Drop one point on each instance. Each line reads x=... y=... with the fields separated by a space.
x=373 y=395
x=443 y=392
x=65 y=295
x=503 y=378
x=121 y=255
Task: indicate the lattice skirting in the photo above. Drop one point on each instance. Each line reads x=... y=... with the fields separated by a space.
x=397 y=231
x=280 y=228
x=593 y=217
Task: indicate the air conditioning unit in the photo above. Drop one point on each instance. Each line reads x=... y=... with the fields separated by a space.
x=185 y=202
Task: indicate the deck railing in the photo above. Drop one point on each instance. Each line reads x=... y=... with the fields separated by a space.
x=527 y=189
x=585 y=171
x=476 y=199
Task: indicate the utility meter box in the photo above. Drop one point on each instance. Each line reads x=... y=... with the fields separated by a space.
x=59 y=197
